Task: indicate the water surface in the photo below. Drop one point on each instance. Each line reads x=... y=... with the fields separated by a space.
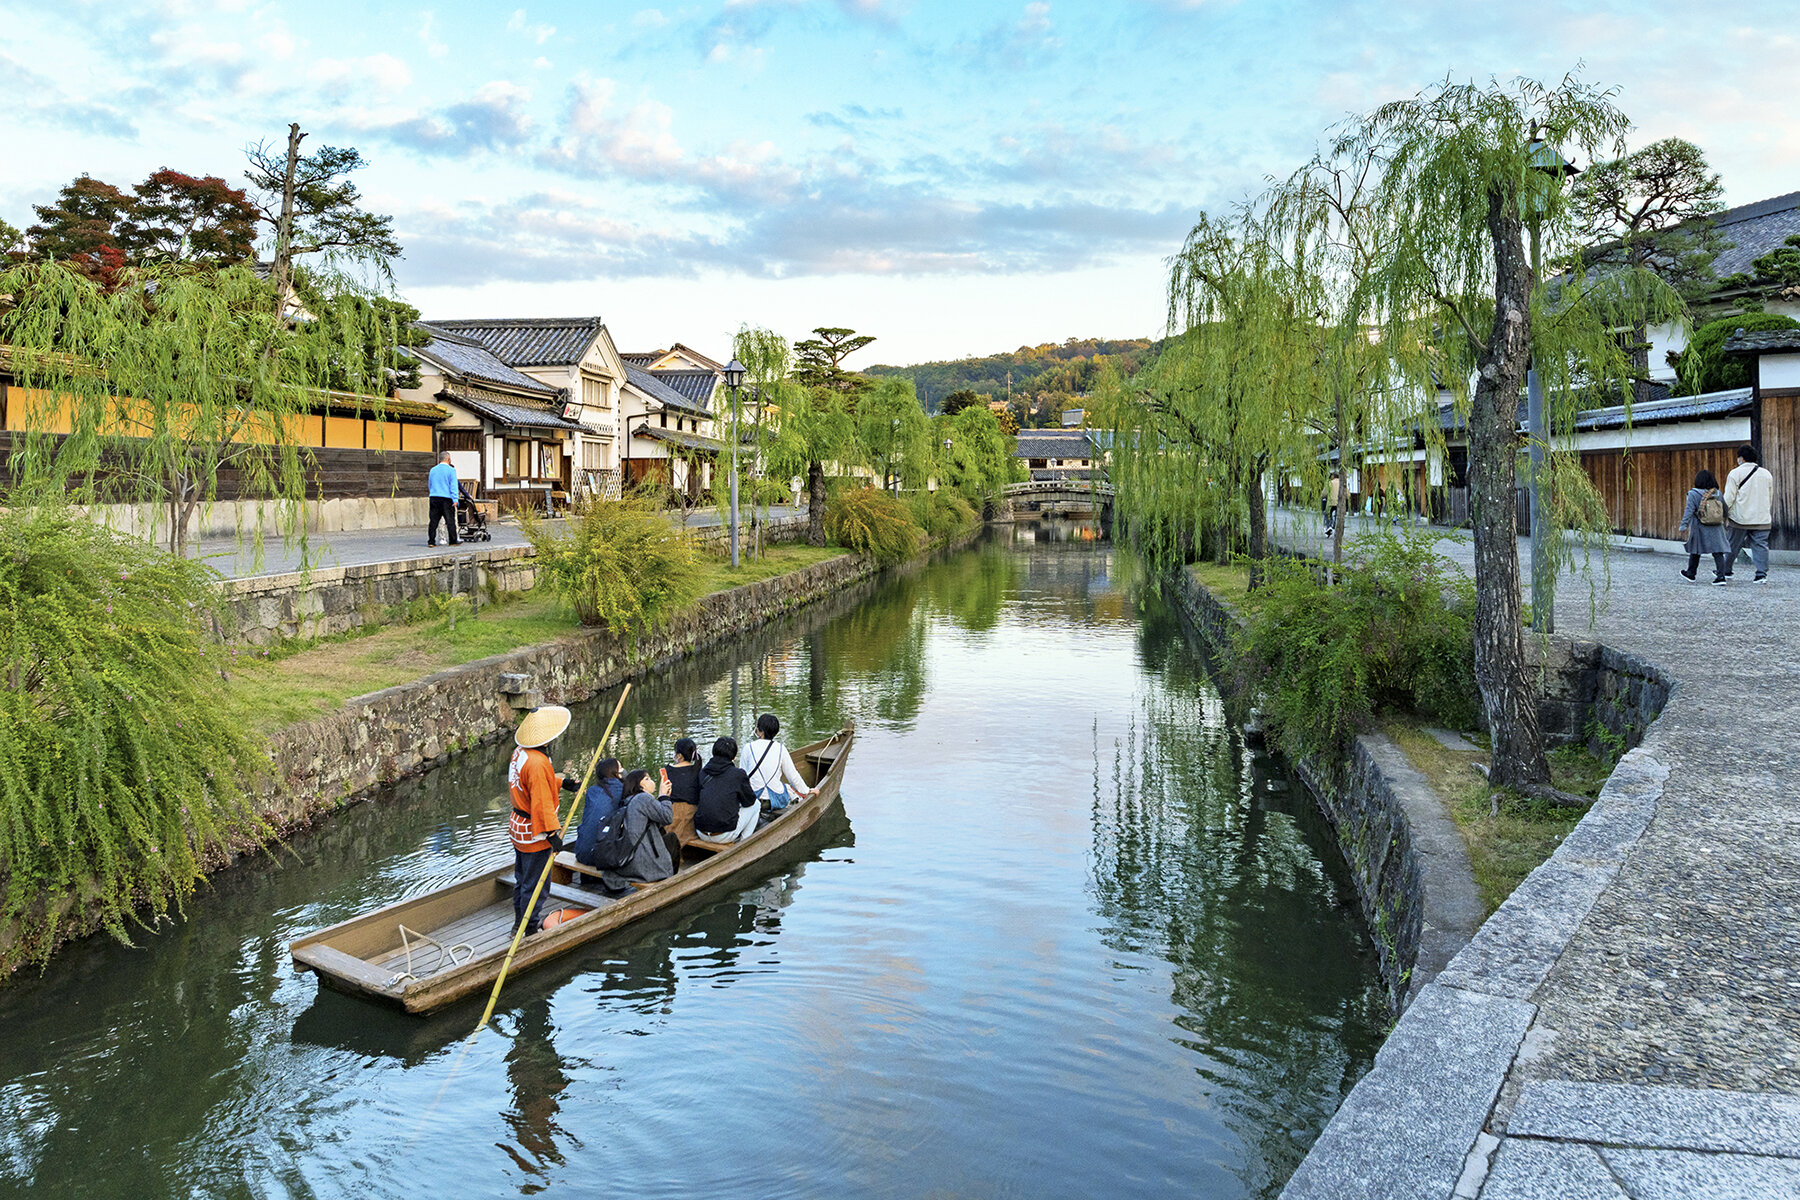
x=1065 y=938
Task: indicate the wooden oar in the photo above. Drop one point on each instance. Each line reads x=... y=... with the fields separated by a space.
x=544 y=876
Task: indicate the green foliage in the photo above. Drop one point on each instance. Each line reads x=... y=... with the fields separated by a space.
x=958 y=400
x=1703 y=367
x=942 y=513
x=819 y=360
x=869 y=521
x=979 y=461
x=893 y=434
x=184 y=374
x=329 y=219
x=1059 y=371
x=617 y=563
x=1384 y=638
x=120 y=767
x=1644 y=209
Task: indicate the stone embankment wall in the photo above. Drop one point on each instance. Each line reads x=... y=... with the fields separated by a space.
x=328 y=600
x=1405 y=854
x=387 y=735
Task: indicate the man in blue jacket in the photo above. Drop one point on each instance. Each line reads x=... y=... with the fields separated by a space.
x=442 y=481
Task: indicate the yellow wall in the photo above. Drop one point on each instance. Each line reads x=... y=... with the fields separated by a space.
x=35 y=409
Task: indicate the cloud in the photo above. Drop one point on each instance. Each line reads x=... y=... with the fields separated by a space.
x=46 y=101
x=428 y=36
x=1028 y=41
x=493 y=119
x=542 y=237
x=342 y=78
x=518 y=24
x=649 y=18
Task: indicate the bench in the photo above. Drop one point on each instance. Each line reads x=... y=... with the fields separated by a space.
x=563 y=892
x=568 y=862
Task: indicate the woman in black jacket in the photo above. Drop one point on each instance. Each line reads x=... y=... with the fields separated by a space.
x=728 y=808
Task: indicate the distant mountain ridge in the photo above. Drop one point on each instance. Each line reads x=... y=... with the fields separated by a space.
x=1047 y=371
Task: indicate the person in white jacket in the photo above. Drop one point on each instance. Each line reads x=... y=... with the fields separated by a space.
x=770 y=766
x=1749 y=507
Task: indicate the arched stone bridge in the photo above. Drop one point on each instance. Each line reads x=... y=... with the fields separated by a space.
x=1070 y=497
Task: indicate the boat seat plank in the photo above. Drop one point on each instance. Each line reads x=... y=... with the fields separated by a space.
x=567 y=894
x=481 y=932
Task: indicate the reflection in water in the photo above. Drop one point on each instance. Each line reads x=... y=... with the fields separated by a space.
x=1083 y=945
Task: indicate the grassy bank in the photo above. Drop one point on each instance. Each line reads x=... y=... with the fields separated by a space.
x=298 y=681
x=1504 y=846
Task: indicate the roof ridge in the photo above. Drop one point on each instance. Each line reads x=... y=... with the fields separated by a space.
x=1757 y=208
x=538 y=322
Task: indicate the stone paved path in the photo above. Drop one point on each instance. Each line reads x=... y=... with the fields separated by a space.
x=237 y=559
x=1650 y=970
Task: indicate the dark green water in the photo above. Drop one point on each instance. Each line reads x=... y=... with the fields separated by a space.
x=1067 y=938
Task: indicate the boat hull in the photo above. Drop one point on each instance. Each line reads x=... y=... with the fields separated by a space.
x=359 y=957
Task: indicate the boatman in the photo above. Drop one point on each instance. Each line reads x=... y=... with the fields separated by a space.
x=536 y=830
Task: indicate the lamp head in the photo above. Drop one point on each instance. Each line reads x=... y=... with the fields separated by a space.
x=734 y=374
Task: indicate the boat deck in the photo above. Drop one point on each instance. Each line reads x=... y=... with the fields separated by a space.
x=481 y=932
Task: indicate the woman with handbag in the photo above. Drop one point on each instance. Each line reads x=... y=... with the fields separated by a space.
x=1703 y=525
x=771 y=768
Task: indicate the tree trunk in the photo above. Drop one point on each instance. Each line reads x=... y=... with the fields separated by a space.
x=1343 y=487
x=1506 y=692
x=281 y=271
x=1259 y=525
x=815 y=504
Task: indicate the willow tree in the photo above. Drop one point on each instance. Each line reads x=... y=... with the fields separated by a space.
x=893 y=434
x=978 y=458
x=1460 y=186
x=767 y=359
x=1197 y=433
x=154 y=392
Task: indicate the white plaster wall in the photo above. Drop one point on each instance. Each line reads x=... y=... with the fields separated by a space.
x=1724 y=431
x=1779 y=370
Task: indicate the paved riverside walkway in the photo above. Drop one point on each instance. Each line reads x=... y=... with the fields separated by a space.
x=236 y=558
x=1627 y=1025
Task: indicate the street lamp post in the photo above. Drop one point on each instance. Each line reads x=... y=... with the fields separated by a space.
x=1545 y=160
x=734 y=379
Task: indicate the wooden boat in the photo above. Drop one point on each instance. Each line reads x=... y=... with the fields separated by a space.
x=433 y=950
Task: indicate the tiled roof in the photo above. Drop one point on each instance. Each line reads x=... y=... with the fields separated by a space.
x=692 y=441
x=696 y=385
x=1676 y=408
x=470 y=359
x=711 y=364
x=1764 y=341
x=1054 y=443
x=641 y=359
x=1755 y=229
x=529 y=341
x=648 y=383
x=519 y=415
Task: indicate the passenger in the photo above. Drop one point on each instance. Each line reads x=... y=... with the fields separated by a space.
x=646 y=816
x=771 y=768
x=1703 y=525
x=535 y=827
x=683 y=778
x=728 y=808
x=606 y=793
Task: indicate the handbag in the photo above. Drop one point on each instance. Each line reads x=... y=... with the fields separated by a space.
x=776 y=799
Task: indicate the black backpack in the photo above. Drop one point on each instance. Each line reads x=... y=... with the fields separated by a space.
x=613 y=847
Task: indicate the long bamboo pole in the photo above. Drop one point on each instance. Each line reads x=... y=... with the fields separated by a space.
x=544 y=876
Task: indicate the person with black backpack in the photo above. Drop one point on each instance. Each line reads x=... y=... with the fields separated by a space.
x=1703 y=525
x=629 y=847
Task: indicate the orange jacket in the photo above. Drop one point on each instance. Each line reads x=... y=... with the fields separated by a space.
x=536 y=788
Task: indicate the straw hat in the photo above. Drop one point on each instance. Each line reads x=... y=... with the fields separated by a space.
x=542 y=725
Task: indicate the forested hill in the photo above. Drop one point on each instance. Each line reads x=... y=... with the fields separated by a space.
x=1046 y=371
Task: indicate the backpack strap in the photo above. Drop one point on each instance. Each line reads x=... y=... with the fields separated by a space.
x=768 y=745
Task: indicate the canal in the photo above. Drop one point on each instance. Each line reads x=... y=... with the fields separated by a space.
x=1067 y=937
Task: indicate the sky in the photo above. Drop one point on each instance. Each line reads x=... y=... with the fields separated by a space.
x=954 y=178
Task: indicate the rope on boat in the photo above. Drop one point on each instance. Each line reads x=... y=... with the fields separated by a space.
x=443 y=953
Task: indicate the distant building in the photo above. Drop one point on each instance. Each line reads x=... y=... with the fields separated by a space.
x=1057 y=453
x=1074 y=418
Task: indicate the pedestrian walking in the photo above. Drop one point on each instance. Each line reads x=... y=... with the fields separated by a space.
x=1333 y=487
x=1703 y=525
x=1749 y=506
x=442 y=485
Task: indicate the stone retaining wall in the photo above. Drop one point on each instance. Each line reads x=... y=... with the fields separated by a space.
x=1406 y=857
x=328 y=600
x=387 y=735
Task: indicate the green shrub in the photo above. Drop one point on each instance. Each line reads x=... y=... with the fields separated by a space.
x=943 y=513
x=121 y=767
x=618 y=563
x=872 y=522
x=1703 y=367
x=1394 y=633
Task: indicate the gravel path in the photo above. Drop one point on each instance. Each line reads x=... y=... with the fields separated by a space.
x=1680 y=973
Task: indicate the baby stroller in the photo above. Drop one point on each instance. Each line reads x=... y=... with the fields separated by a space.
x=471 y=522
